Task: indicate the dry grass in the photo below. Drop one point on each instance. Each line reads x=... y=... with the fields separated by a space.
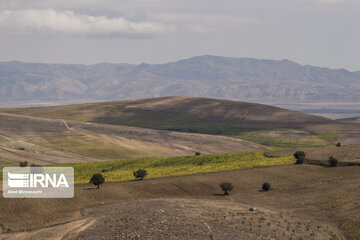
x=87 y=146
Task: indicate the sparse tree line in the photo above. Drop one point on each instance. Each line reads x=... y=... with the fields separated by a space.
x=227 y=187
x=332 y=161
x=300 y=157
x=97 y=179
x=26 y=164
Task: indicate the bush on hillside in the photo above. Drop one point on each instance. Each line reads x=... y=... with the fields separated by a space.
x=226 y=187
x=23 y=164
x=197 y=154
x=266 y=186
x=141 y=173
x=333 y=162
x=97 y=179
x=300 y=157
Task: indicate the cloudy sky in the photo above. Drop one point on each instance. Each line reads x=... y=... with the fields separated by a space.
x=316 y=32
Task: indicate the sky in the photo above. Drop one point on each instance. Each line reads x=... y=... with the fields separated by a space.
x=316 y=32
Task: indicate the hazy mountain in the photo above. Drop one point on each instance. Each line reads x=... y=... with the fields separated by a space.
x=245 y=79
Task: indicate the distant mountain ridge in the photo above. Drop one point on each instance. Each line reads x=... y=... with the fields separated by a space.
x=244 y=79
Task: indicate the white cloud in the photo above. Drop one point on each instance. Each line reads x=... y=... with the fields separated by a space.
x=50 y=21
x=203 y=23
x=204 y=18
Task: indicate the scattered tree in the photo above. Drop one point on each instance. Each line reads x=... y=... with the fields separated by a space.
x=300 y=157
x=197 y=154
x=23 y=164
x=338 y=144
x=97 y=179
x=266 y=186
x=141 y=173
x=226 y=187
x=333 y=162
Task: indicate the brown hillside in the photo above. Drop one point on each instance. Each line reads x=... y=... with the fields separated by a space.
x=299 y=206
x=182 y=113
x=49 y=141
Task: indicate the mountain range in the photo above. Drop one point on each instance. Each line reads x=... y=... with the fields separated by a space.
x=244 y=79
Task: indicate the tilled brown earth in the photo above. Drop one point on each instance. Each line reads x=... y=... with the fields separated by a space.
x=306 y=202
x=198 y=219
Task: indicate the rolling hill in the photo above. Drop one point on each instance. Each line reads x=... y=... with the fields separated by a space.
x=262 y=124
x=48 y=141
x=172 y=112
x=245 y=79
x=89 y=137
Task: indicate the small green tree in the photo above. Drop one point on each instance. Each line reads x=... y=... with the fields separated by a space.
x=300 y=157
x=141 y=173
x=97 y=179
x=266 y=186
x=333 y=162
x=197 y=154
x=226 y=187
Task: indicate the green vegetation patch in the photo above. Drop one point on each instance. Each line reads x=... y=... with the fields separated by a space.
x=165 y=120
x=284 y=138
x=329 y=136
x=87 y=146
x=352 y=228
x=121 y=170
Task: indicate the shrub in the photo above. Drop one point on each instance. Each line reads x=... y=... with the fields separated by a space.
x=338 y=144
x=333 y=162
x=300 y=157
x=266 y=186
x=141 y=173
x=97 y=179
x=226 y=187
x=197 y=154
x=300 y=160
x=23 y=164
